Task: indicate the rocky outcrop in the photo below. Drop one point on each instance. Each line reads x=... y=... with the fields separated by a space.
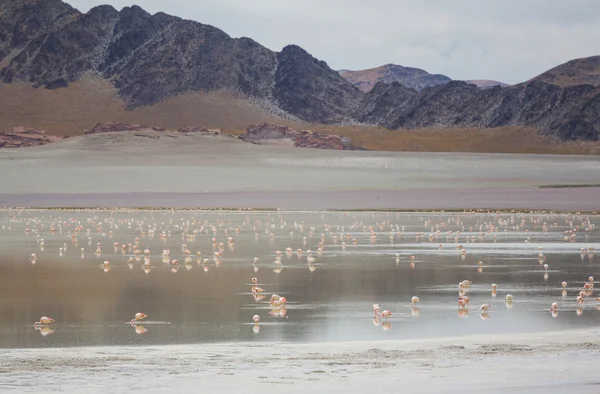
x=267 y=133
x=110 y=127
x=413 y=78
x=115 y=127
x=201 y=130
x=21 y=137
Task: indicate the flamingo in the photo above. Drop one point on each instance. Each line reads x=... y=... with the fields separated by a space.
x=414 y=301
x=376 y=310
x=138 y=318
x=44 y=321
x=255 y=288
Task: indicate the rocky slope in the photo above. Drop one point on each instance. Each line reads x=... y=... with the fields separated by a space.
x=569 y=113
x=585 y=71
x=149 y=58
x=410 y=77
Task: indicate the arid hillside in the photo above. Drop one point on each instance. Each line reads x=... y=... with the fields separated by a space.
x=585 y=71
x=79 y=106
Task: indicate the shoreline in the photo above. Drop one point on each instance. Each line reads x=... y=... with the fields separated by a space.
x=575 y=199
x=529 y=363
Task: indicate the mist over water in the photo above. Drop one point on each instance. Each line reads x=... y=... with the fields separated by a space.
x=328 y=300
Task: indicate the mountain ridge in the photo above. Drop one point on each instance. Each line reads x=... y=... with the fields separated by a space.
x=150 y=59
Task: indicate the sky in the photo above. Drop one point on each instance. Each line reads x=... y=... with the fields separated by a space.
x=505 y=40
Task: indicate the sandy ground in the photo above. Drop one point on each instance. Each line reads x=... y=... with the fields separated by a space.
x=549 y=363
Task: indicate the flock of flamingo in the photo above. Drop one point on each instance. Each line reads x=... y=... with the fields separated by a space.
x=449 y=229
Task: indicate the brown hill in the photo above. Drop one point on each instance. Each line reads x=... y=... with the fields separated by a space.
x=585 y=71
x=408 y=76
x=71 y=110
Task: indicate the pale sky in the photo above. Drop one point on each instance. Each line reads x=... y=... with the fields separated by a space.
x=505 y=40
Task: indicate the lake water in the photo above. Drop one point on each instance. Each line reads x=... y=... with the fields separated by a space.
x=328 y=300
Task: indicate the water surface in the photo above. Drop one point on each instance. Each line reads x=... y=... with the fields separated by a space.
x=328 y=300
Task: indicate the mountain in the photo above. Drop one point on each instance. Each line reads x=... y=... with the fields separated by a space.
x=569 y=113
x=149 y=58
x=584 y=71
x=63 y=71
x=486 y=83
x=411 y=77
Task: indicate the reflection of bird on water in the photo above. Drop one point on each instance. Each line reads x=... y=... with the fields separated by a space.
x=139 y=329
x=45 y=330
x=280 y=311
x=414 y=311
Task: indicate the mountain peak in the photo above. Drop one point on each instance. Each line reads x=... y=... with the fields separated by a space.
x=583 y=71
x=415 y=78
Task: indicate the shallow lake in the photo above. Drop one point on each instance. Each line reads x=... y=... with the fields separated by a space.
x=210 y=300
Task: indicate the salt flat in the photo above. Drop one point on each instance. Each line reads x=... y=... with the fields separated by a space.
x=153 y=169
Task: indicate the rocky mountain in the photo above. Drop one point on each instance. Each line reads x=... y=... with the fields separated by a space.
x=569 y=113
x=408 y=76
x=584 y=71
x=486 y=83
x=151 y=61
x=149 y=58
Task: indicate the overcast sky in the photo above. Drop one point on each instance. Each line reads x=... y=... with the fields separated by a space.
x=506 y=40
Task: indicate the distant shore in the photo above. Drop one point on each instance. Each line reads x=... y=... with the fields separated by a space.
x=559 y=199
